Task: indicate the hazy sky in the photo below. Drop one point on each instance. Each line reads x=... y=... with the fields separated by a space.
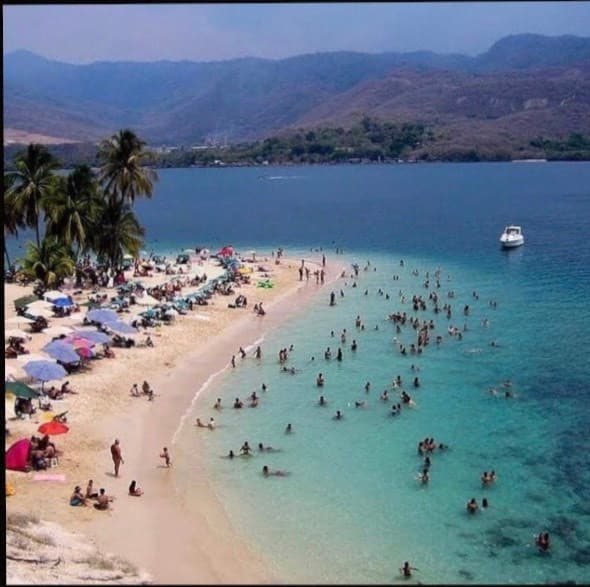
x=207 y=32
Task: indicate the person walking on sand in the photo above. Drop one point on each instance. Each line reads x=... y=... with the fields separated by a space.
x=166 y=456
x=117 y=457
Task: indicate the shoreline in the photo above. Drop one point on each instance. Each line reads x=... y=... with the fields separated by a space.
x=207 y=549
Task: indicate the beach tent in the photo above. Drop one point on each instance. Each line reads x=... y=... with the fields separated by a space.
x=17 y=456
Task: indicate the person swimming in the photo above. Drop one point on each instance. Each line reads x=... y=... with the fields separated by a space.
x=278 y=473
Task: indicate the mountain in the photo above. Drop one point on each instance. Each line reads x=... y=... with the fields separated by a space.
x=523 y=85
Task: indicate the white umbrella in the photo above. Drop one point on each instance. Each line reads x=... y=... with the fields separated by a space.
x=146 y=300
x=43 y=312
x=18 y=320
x=40 y=304
x=11 y=371
x=15 y=333
x=53 y=295
x=57 y=330
x=33 y=357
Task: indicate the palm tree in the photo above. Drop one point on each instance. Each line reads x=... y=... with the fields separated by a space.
x=121 y=171
x=50 y=262
x=33 y=181
x=116 y=232
x=72 y=207
x=11 y=216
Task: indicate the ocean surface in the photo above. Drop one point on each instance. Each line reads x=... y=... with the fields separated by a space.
x=352 y=510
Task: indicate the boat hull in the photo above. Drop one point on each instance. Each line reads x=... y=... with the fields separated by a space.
x=511 y=244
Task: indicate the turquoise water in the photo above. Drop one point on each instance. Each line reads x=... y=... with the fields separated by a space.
x=352 y=511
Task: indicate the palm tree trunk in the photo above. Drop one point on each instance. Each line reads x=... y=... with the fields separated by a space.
x=6 y=253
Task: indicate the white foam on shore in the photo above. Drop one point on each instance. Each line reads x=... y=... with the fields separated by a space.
x=198 y=392
x=204 y=386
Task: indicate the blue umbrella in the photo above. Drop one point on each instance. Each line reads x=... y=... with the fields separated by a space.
x=44 y=370
x=102 y=315
x=121 y=327
x=63 y=302
x=62 y=351
x=93 y=336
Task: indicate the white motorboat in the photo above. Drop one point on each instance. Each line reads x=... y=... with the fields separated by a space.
x=512 y=237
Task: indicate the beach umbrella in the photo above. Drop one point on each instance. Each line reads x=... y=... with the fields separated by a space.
x=10 y=372
x=146 y=300
x=54 y=295
x=15 y=333
x=34 y=357
x=45 y=370
x=85 y=352
x=102 y=315
x=18 y=320
x=58 y=330
x=53 y=428
x=24 y=301
x=78 y=342
x=63 y=303
x=39 y=305
x=61 y=351
x=92 y=335
x=43 y=312
x=121 y=327
x=20 y=389
x=226 y=251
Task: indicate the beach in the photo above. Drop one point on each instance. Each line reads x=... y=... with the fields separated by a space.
x=153 y=532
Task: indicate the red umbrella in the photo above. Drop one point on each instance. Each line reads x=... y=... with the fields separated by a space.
x=52 y=428
x=227 y=251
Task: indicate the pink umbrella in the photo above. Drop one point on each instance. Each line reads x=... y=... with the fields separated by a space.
x=84 y=352
x=78 y=342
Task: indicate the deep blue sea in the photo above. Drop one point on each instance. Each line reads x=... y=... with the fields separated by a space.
x=352 y=510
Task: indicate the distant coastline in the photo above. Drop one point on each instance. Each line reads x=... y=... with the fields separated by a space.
x=370 y=142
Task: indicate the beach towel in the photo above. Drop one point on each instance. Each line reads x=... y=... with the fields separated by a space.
x=17 y=455
x=49 y=477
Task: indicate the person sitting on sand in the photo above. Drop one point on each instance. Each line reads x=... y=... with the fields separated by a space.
x=134 y=391
x=134 y=489
x=54 y=393
x=90 y=493
x=108 y=353
x=77 y=497
x=65 y=388
x=103 y=500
